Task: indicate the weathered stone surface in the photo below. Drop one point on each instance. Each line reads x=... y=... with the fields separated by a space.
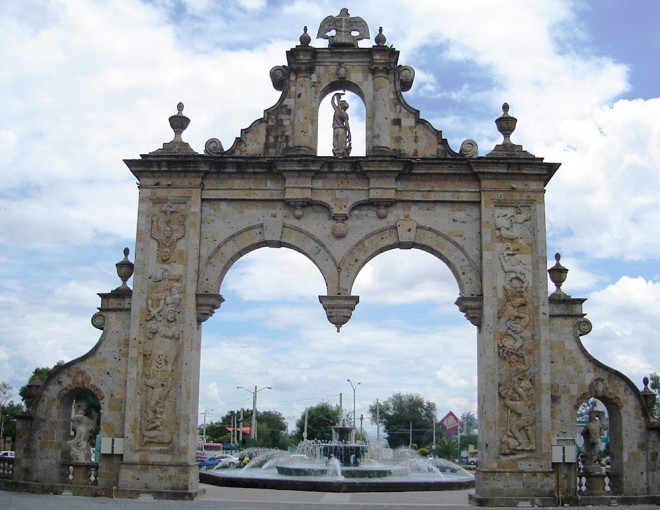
x=482 y=216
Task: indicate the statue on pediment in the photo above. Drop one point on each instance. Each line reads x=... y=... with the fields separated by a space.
x=344 y=25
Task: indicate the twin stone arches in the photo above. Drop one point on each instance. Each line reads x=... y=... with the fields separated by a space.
x=339 y=270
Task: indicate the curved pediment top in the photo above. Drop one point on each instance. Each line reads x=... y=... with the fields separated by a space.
x=393 y=128
x=292 y=126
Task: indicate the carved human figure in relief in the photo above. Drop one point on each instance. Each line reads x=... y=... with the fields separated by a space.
x=83 y=426
x=511 y=225
x=167 y=228
x=154 y=429
x=341 y=137
x=513 y=319
x=516 y=394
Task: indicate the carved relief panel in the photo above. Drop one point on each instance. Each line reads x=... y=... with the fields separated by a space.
x=162 y=327
x=515 y=330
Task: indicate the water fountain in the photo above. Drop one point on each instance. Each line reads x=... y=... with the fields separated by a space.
x=343 y=465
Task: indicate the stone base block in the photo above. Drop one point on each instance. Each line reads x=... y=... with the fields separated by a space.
x=514 y=488
x=161 y=480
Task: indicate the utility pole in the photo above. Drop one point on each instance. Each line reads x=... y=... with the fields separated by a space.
x=240 y=430
x=204 y=413
x=377 y=422
x=434 y=417
x=253 y=432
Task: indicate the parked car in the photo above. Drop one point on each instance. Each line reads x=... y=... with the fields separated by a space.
x=206 y=462
x=226 y=461
x=6 y=453
x=221 y=460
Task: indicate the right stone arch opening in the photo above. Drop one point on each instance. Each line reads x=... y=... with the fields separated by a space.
x=413 y=292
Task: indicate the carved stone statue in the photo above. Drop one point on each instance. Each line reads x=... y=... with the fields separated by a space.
x=591 y=434
x=344 y=25
x=341 y=137
x=83 y=426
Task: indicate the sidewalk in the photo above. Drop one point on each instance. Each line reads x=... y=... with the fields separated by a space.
x=226 y=498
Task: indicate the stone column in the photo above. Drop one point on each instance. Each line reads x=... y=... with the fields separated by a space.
x=514 y=442
x=164 y=343
x=378 y=129
x=305 y=112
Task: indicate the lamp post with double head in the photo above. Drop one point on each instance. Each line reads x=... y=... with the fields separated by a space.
x=354 y=388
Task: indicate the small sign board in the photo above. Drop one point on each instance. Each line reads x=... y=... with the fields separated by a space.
x=450 y=423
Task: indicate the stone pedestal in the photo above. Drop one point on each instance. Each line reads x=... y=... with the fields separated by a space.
x=594 y=484
x=81 y=473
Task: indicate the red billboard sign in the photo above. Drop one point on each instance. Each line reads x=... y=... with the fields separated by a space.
x=450 y=423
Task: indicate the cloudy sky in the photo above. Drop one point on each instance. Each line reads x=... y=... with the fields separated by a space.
x=88 y=83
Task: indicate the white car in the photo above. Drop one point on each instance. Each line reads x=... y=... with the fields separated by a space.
x=226 y=461
x=6 y=453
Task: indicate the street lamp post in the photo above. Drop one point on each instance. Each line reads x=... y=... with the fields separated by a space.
x=354 y=388
x=253 y=430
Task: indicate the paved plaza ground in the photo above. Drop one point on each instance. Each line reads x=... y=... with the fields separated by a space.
x=225 y=498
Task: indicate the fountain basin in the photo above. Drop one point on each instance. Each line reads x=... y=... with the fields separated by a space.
x=314 y=467
x=302 y=470
x=273 y=480
x=369 y=472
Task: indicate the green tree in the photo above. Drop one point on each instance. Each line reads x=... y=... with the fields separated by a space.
x=446 y=448
x=10 y=412
x=468 y=422
x=6 y=390
x=271 y=430
x=216 y=432
x=40 y=374
x=402 y=412
x=5 y=394
x=320 y=419
x=467 y=440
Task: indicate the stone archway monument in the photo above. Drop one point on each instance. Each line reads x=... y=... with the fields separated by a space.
x=484 y=216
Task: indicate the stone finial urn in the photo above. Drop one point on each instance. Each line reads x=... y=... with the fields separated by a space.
x=506 y=124
x=124 y=270
x=558 y=275
x=179 y=123
x=648 y=395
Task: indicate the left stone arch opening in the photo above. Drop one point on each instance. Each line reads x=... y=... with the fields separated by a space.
x=266 y=333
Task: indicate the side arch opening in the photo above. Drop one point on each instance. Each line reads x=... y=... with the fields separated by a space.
x=599 y=447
